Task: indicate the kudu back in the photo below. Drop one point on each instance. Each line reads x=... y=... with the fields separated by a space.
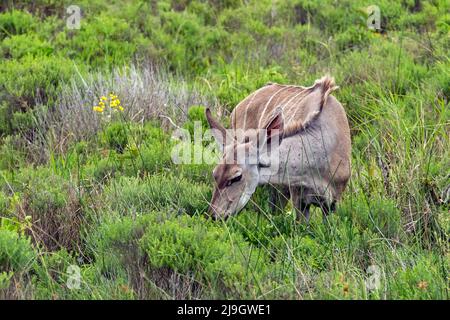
x=294 y=138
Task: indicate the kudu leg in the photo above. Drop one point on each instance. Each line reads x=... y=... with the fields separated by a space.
x=327 y=208
x=301 y=207
x=278 y=198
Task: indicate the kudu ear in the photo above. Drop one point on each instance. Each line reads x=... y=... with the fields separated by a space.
x=274 y=128
x=218 y=131
x=271 y=134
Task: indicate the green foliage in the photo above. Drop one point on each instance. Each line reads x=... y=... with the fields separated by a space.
x=134 y=149
x=196 y=114
x=422 y=279
x=16 y=22
x=18 y=46
x=236 y=82
x=16 y=253
x=128 y=195
x=11 y=157
x=190 y=246
x=116 y=137
x=54 y=272
x=375 y=214
x=21 y=81
x=106 y=40
x=53 y=206
x=187 y=243
x=115 y=205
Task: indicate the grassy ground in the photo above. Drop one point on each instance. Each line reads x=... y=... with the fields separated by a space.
x=92 y=206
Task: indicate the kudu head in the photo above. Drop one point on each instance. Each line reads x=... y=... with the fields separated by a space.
x=237 y=174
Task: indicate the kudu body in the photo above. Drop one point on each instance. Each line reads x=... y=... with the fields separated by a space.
x=303 y=151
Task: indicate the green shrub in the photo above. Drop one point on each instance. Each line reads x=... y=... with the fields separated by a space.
x=103 y=41
x=116 y=136
x=55 y=274
x=16 y=253
x=116 y=206
x=51 y=274
x=235 y=82
x=219 y=263
x=195 y=45
x=11 y=157
x=196 y=114
x=21 y=81
x=153 y=158
x=18 y=46
x=376 y=214
x=151 y=149
x=17 y=257
x=54 y=207
x=423 y=278
x=353 y=37
x=16 y=22
x=131 y=195
x=102 y=169
x=188 y=243
x=4 y=204
x=135 y=150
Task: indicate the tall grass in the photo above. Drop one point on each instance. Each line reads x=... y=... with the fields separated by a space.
x=101 y=193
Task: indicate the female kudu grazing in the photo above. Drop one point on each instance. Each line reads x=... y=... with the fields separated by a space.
x=303 y=148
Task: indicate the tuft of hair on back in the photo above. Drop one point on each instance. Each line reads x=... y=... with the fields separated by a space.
x=327 y=85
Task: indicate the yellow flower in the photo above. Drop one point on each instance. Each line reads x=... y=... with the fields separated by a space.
x=345 y=288
x=98 y=109
x=422 y=285
x=113 y=103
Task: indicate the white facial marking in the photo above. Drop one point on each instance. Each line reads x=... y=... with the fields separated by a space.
x=251 y=183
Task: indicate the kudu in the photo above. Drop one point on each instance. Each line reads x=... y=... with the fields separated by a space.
x=301 y=148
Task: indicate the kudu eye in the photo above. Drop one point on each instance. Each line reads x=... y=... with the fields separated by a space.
x=235 y=179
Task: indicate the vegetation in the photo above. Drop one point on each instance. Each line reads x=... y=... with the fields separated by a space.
x=93 y=207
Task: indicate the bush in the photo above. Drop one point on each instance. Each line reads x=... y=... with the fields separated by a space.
x=104 y=41
x=419 y=279
x=101 y=170
x=353 y=38
x=196 y=114
x=236 y=81
x=11 y=157
x=55 y=274
x=159 y=191
x=134 y=150
x=149 y=151
x=16 y=259
x=109 y=200
x=379 y=215
x=191 y=245
x=116 y=136
x=211 y=263
x=24 y=80
x=54 y=207
x=15 y=23
x=18 y=46
x=16 y=253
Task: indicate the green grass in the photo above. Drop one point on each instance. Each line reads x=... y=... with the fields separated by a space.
x=79 y=189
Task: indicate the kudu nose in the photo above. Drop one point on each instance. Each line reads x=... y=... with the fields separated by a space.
x=212 y=213
x=216 y=215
